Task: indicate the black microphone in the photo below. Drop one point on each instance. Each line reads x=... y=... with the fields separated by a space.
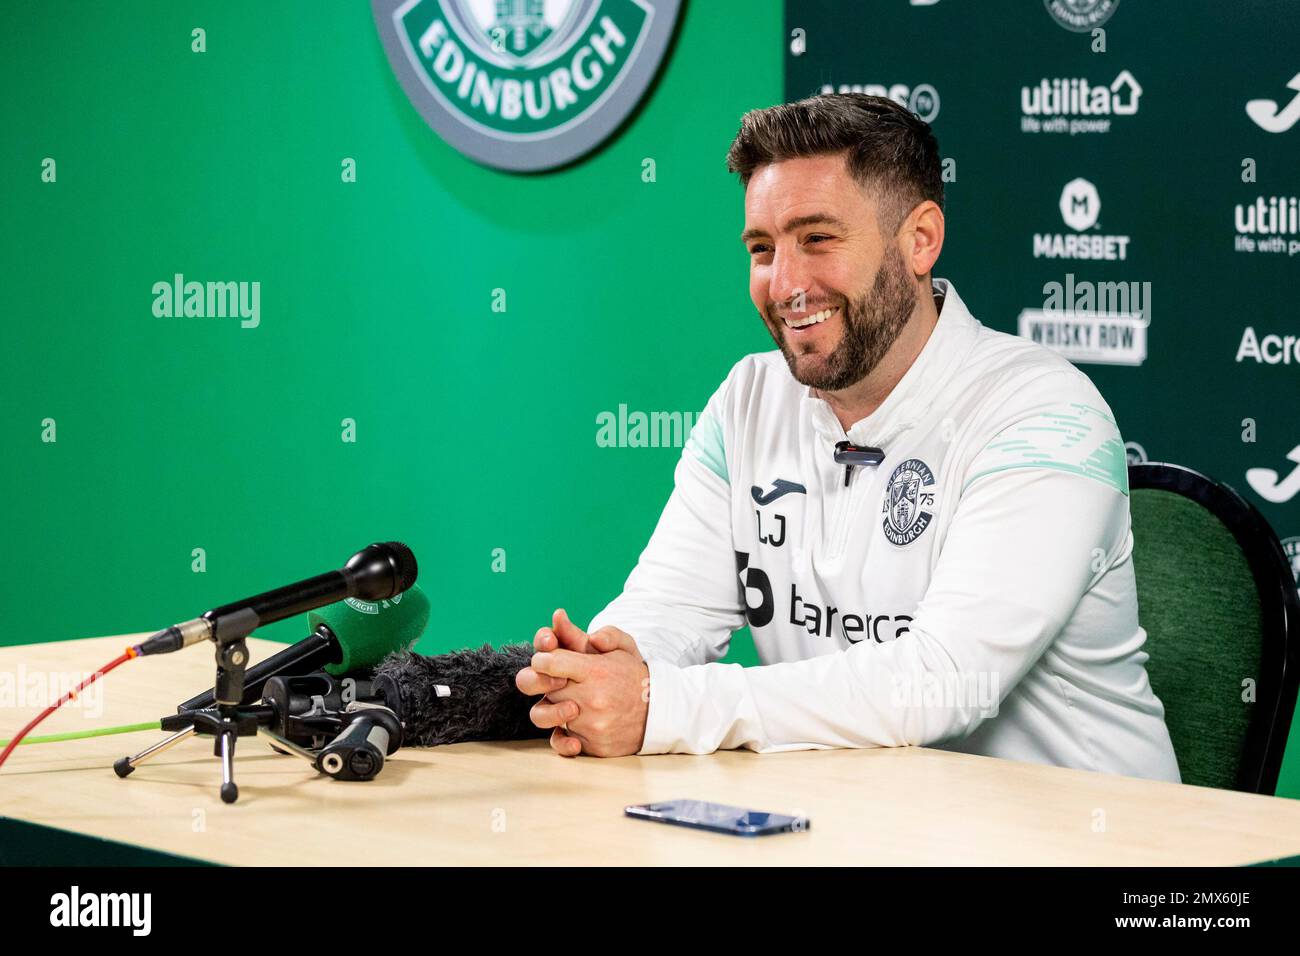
x=375 y=573
x=346 y=636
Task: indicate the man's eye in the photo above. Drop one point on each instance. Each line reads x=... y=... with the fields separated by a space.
x=816 y=238
x=757 y=249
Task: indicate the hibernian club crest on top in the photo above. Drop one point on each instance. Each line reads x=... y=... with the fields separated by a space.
x=1080 y=16
x=525 y=85
x=909 y=502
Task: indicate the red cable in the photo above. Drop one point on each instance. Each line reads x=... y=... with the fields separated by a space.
x=70 y=695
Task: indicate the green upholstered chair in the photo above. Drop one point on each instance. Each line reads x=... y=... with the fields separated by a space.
x=1218 y=601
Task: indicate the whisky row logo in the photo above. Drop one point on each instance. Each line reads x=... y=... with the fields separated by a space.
x=525 y=85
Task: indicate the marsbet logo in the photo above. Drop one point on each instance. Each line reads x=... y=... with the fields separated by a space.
x=1080 y=206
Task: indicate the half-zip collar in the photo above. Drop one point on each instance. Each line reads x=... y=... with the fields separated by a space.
x=951 y=339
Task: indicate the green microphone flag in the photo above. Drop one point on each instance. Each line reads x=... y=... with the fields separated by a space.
x=370 y=630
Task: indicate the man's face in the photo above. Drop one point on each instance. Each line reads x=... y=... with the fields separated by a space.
x=815 y=245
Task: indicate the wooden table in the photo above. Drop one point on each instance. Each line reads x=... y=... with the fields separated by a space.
x=518 y=803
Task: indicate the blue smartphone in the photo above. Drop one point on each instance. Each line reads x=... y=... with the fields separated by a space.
x=717 y=817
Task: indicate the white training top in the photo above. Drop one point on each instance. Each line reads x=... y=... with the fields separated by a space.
x=974 y=591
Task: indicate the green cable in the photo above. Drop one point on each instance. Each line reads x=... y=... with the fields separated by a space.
x=79 y=734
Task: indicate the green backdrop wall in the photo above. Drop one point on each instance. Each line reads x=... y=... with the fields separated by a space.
x=475 y=429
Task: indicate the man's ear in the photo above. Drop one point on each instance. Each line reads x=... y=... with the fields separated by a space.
x=921 y=237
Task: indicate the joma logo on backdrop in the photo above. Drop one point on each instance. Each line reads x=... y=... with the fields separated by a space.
x=1271 y=117
x=1075 y=106
x=208 y=300
x=524 y=84
x=1100 y=323
x=1274 y=487
x=624 y=429
x=1080 y=206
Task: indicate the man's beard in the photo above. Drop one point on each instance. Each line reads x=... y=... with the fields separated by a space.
x=871 y=323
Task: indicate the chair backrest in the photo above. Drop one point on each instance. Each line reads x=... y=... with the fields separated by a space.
x=1218 y=602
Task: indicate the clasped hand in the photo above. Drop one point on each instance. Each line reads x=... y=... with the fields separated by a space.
x=597 y=689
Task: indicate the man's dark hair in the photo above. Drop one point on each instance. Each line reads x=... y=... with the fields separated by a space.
x=890 y=149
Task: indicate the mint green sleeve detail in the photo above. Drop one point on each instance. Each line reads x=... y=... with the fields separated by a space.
x=707 y=446
x=1073 y=437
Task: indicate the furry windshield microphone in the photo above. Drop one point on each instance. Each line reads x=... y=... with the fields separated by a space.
x=463 y=695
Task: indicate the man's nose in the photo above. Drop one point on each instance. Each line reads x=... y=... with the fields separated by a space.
x=789 y=280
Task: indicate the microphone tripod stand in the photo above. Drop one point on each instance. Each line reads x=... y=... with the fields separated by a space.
x=353 y=737
x=227 y=721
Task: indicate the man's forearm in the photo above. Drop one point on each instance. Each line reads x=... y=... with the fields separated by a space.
x=867 y=696
x=658 y=635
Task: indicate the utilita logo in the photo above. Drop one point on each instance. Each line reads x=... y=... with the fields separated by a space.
x=1073 y=105
x=1080 y=206
x=1270 y=224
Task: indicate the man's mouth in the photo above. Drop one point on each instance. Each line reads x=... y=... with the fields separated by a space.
x=804 y=323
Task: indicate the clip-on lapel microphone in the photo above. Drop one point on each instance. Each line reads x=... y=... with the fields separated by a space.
x=850 y=455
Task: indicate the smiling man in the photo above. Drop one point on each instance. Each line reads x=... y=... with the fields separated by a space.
x=923 y=521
